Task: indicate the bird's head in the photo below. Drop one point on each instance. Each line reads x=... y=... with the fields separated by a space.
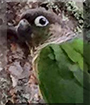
x=39 y=25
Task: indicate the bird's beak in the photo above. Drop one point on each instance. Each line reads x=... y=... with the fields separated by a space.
x=24 y=30
x=24 y=25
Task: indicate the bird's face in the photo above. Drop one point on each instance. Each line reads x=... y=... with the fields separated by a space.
x=35 y=24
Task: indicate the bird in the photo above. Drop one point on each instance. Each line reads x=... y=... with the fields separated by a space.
x=58 y=59
x=59 y=64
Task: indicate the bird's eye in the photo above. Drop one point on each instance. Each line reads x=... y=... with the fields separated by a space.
x=41 y=21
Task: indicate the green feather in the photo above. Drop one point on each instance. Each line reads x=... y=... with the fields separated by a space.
x=60 y=72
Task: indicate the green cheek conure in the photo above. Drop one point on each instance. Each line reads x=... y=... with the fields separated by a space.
x=60 y=64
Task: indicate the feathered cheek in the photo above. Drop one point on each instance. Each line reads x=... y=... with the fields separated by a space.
x=55 y=29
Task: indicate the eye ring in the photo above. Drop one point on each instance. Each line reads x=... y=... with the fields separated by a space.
x=41 y=21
